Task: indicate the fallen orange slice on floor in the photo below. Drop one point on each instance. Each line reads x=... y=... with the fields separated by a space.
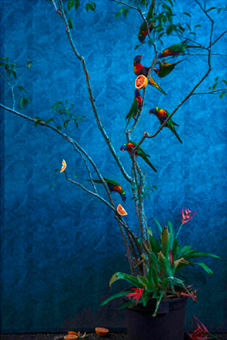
x=101 y=331
x=141 y=82
x=71 y=337
x=121 y=211
x=64 y=165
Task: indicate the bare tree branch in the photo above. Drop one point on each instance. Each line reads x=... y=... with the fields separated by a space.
x=92 y=100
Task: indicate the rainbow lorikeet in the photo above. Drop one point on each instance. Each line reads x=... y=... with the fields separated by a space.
x=140 y=69
x=165 y=68
x=162 y=115
x=146 y=28
x=113 y=186
x=140 y=152
x=175 y=49
x=135 y=108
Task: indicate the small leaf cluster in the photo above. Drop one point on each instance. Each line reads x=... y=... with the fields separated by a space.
x=64 y=110
x=10 y=75
x=217 y=82
x=90 y=5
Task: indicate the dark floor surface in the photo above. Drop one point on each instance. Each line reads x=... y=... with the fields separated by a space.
x=90 y=336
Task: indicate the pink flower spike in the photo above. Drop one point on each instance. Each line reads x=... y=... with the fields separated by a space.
x=137 y=295
x=186 y=215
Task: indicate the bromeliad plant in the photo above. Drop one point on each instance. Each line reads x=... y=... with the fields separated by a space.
x=163 y=258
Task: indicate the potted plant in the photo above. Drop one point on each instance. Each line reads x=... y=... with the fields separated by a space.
x=161 y=292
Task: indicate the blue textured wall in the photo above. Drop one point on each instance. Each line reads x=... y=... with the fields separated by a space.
x=59 y=247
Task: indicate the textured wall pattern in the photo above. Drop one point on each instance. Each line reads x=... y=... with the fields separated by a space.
x=59 y=247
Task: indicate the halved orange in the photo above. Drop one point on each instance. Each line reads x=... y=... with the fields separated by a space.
x=141 y=82
x=101 y=331
x=64 y=165
x=121 y=211
x=71 y=337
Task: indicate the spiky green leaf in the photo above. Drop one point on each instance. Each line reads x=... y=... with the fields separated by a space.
x=117 y=295
x=129 y=278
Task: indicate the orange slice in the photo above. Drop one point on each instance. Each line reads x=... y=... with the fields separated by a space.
x=141 y=82
x=73 y=333
x=101 y=331
x=71 y=337
x=64 y=165
x=121 y=211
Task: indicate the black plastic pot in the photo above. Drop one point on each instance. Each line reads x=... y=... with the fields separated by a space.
x=167 y=325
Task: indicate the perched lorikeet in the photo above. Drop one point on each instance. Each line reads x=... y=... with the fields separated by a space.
x=175 y=49
x=165 y=68
x=162 y=115
x=140 y=69
x=135 y=108
x=113 y=186
x=144 y=28
x=140 y=152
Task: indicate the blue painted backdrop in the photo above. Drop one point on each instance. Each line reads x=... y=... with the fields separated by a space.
x=59 y=247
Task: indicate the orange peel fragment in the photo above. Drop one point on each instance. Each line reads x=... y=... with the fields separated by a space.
x=64 y=165
x=121 y=211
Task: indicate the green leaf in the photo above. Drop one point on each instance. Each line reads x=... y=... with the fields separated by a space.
x=128 y=304
x=126 y=277
x=49 y=120
x=216 y=79
x=224 y=81
x=222 y=94
x=117 y=295
x=77 y=4
x=214 y=86
x=158 y=224
x=171 y=232
x=175 y=249
x=21 y=88
x=186 y=13
x=188 y=26
x=197 y=254
x=119 y=12
x=197 y=26
x=136 y=47
x=89 y=6
x=159 y=299
x=204 y=266
x=51 y=186
x=70 y=23
x=165 y=242
x=66 y=122
x=164 y=266
x=14 y=74
x=58 y=127
x=94 y=4
x=125 y=12
x=70 y=4
x=38 y=122
x=24 y=101
x=210 y=9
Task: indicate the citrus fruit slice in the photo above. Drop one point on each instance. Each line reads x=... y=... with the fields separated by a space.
x=71 y=337
x=141 y=82
x=101 y=331
x=64 y=165
x=121 y=211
